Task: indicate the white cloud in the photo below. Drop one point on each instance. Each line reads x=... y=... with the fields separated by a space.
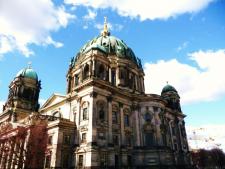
x=91 y=15
x=111 y=27
x=146 y=9
x=182 y=46
x=194 y=83
x=85 y=26
x=25 y=22
x=50 y=41
x=206 y=136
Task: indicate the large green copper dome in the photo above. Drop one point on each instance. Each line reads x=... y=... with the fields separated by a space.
x=28 y=73
x=109 y=45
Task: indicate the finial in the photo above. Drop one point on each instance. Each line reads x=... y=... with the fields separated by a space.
x=29 y=65
x=167 y=82
x=105 y=28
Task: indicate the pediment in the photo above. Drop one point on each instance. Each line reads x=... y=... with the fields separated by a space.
x=54 y=99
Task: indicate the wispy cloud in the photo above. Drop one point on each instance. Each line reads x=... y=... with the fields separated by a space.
x=192 y=82
x=112 y=27
x=25 y=22
x=182 y=46
x=91 y=15
x=139 y=9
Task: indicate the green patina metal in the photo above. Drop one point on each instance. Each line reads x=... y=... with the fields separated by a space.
x=28 y=73
x=168 y=88
x=109 y=45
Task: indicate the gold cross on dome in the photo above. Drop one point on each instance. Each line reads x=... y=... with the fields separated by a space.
x=105 y=27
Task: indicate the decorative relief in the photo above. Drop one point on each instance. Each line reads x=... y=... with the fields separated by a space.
x=148 y=127
x=83 y=128
x=6 y=126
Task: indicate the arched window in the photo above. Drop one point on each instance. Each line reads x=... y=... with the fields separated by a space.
x=101 y=110
x=101 y=113
x=131 y=81
x=113 y=76
x=114 y=117
x=126 y=120
x=28 y=93
x=148 y=117
x=115 y=114
x=126 y=117
x=86 y=71
x=84 y=111
x=101 y=72
x=128 y=140
x=149 y=135
x=76 y=79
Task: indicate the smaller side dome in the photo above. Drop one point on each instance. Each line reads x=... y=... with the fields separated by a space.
x=28 y=73
x=168 y=88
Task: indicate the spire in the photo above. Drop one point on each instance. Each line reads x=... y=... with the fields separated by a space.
x=105 y=31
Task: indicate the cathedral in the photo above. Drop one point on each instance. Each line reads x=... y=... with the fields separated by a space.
x=104 y=121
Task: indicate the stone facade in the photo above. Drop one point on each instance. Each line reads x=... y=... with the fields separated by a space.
x=105 y=120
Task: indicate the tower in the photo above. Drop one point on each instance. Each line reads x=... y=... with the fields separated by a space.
x=23 y=94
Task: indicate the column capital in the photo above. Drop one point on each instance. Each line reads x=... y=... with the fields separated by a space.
x=120 y=105
x=109 y=98
x=93 y=94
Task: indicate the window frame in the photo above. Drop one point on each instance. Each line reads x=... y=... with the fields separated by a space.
x=85 y=113
x=83 y=137
x=80 y=162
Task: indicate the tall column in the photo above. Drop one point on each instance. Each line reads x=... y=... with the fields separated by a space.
x=12 y=143
x=110 y=75
x=117 y=76
x=78 y=112
x=2 y=162
x=137 y=126
x=93 y=67
x=109 y=99
x=21 y=157
x=90 y=120
x=122 y=124
x=8 y=153
x=81 y=74
x=90 y=68
x=14 y=157
x=180 y=135
x=143 y=85
x=1 y=151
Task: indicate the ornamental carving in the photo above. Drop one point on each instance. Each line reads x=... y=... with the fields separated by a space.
x=148 y=127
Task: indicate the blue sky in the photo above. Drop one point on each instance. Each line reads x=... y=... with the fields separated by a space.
x=182 y=42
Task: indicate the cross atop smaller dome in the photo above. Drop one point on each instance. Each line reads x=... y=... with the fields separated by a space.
x=28 y=72
x=168 y=88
